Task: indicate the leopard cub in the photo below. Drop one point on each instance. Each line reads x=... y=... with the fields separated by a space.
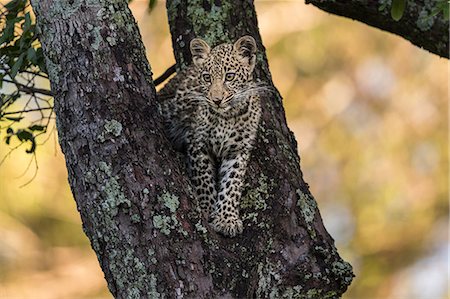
x=214 y=114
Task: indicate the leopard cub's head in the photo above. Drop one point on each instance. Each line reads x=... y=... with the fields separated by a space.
x=224 y=71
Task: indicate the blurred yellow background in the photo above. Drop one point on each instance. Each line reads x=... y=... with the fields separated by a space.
x=370 y=114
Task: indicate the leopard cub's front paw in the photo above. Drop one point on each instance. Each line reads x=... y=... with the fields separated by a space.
x=229 y=227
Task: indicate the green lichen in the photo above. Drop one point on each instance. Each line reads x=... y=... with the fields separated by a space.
x=153 y=293
x=210 y=22
x=165 y=223
x=318 y=293
x=111 y=190
x=200 y=228
x=308 y=207
x=60 y=9
x=292 y=292
x=111 y=40
x=151 y=253
x=344 y=270
x=297 y=292
x=135 y=218
x=113 y=127
x=253 y=216
x=118 y=18
x=339 y=268
x=170 y=201
x=124 y=264
x=286 y=148
x=53 y=70
x=269 y=279
x=89 y=177
x=96 y=37
x=256 y=197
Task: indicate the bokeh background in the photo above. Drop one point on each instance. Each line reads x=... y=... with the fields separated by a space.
x=370 y=114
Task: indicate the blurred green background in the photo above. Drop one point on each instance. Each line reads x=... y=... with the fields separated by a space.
x=370 y=115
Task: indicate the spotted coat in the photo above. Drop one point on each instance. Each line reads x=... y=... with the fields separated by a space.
x=214 y=116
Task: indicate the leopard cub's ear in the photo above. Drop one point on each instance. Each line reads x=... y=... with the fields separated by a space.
x=245 y=48
x=199 y=50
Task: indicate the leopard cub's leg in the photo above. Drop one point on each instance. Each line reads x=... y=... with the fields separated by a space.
x=203 y=177
x=225 y=216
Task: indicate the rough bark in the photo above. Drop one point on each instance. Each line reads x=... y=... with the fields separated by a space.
x=131 y=188
x=123 y=174
x=418 y=24
x=285 y=244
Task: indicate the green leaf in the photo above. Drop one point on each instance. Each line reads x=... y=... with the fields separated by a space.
x=33 y=146
x=24 y=135
x=151 y=4
x=17 y=65
x=37 y=128
x=40 y=60
x=27 y=24
x=31 y=55
x=14 y=118
x=445 y=11
x=8 y=33
x=444 y=7
x=398 y=9
x=15 y=5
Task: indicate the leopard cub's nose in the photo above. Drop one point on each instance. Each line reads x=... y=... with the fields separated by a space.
x=217 y=101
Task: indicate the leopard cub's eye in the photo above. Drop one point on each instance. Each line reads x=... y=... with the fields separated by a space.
x=229 y=76
x=206 y=77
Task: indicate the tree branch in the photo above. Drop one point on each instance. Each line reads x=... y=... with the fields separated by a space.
x=418 y=24
x=165 y=75
x=27 y=110
x=29 y=89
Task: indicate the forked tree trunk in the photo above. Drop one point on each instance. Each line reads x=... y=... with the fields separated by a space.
x=131 y=188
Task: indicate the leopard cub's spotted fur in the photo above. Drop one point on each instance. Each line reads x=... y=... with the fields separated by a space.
x=214 y=114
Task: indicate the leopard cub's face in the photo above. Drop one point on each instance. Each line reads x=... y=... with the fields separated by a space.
x=225 y=71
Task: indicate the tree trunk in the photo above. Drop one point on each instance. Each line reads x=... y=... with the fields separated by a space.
x=131 y=188
x=419 y=25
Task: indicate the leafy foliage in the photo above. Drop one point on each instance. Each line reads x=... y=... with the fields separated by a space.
x=21 y=65
x=441 y=6
x=397 y=9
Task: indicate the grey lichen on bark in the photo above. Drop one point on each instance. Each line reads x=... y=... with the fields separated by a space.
x=418 y=24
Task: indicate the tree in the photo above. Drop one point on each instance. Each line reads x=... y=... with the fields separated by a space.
x=130 y=203
x=423 y=23
x=131 y=188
